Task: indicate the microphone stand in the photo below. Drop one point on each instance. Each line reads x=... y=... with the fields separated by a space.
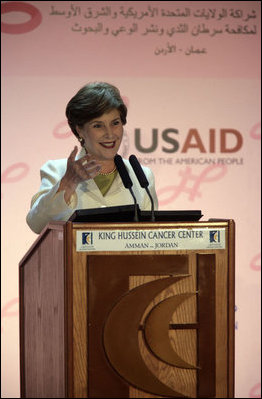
x=126 y=180
x=143 y=181
x=152 y=205
x=135 y=204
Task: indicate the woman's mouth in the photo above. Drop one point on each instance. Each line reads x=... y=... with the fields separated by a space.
x=109 y=144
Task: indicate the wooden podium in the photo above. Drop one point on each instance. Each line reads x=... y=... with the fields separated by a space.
x=119 y=310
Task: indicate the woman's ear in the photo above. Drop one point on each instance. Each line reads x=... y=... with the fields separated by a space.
x=79 y=130
x=80 y=136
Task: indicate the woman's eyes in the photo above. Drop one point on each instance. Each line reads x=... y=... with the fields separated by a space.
x=100 y=125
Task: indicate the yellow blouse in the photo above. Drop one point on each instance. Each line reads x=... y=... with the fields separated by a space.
x=104 y=182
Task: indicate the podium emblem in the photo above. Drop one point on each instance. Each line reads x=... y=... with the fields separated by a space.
x=121 y=339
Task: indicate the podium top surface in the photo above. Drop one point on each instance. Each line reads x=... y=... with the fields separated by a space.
x=126 y=214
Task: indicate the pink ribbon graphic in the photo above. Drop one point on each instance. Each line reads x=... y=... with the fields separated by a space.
x=7 y=176
x=255 y=392
x=193 y=191
x=255 y=132
x=62 y=135
x=255 y=263
x=6 y=309
x=19 y=6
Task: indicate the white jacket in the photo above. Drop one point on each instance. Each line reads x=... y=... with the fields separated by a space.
x=48 y=205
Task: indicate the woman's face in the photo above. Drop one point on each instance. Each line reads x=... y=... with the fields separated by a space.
x=103 y=135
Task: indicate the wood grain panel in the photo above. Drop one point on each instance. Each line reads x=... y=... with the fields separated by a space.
x=222 y=324
x=43 y=326
x=184 y=342
x=80 y=338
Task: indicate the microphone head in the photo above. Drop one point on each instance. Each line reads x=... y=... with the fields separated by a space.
x=123 y=171
x=138 y=171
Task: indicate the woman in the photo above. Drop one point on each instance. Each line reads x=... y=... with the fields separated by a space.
x=96 y=116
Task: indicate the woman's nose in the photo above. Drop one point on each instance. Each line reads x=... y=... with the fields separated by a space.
x=108 y=131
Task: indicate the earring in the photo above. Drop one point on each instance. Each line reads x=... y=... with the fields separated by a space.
x=82 y=141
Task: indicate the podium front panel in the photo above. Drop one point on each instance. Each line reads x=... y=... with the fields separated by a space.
x=121 y=310
x=152 y=323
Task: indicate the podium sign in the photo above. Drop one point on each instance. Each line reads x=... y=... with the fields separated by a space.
x=150 y=239
x=128 y=310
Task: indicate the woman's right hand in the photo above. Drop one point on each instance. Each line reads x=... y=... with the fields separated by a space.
x=77 y=171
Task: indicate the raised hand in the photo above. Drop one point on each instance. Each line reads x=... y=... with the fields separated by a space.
x=77 y=171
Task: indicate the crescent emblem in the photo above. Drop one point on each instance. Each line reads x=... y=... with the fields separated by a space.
x=120 y=337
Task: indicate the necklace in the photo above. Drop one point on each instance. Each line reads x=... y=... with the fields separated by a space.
x=108 y=173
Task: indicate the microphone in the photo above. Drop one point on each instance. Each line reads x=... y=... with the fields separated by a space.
x=125 y=179
x=142 y=180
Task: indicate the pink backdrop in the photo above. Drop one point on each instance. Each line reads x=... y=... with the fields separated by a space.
x=190 y=74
